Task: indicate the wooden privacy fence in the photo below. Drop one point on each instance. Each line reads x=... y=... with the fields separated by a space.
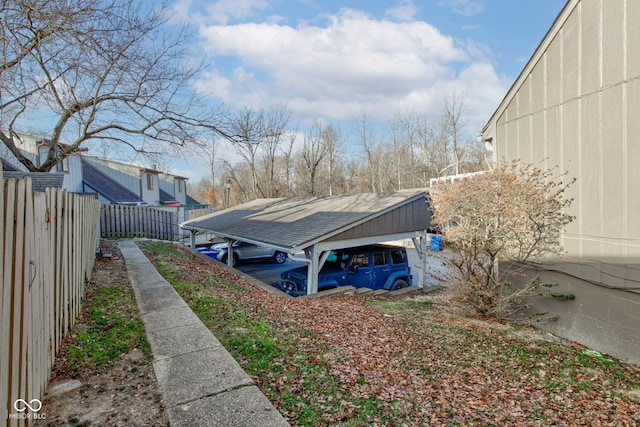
x=48 y=250
x=138 y=221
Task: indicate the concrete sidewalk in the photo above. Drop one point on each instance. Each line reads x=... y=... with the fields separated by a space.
x=201 y=383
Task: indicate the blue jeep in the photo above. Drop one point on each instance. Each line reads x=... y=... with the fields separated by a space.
x=374 y=267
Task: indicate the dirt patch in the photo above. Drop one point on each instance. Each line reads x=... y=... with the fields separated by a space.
x=122 y=393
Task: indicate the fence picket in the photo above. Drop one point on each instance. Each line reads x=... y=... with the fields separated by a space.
x=48 y=251
x=17 y=296
x=8 y=230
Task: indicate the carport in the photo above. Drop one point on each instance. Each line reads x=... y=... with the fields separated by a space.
x=317 y=225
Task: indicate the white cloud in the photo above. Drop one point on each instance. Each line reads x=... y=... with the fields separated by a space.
x=224 y=10
x=217 y=12
x=354 y=63
x=464 y=7
x=404 y=11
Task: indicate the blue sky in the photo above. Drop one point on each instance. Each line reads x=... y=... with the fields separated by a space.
x=334 y=60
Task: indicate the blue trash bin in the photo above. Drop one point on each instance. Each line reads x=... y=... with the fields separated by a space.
x=435 y=243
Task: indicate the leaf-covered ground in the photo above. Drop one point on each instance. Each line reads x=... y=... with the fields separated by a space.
x=354 y=360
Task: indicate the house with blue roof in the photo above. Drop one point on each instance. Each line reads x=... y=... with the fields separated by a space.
x=109 y=181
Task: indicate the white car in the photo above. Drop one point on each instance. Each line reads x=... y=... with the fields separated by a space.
x=243 y=251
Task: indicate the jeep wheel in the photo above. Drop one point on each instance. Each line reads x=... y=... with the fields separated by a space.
x=399 y=284
x=279 y=257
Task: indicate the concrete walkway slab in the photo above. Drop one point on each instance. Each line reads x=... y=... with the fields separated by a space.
x=181 y=340
x=256 y=410
x=171 y=318
x=201 y=382
x=203 y=373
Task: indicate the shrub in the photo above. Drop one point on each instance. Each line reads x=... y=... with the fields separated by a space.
x=495 y=221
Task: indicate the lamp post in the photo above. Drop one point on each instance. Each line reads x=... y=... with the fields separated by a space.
x=226 y=196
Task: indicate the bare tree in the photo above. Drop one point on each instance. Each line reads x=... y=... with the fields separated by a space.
x=287 y=152
x=454 y=111
x=513 y=214
x=369 y=144
x=104 y=69
x=314 y=151
x=247 y=132
x=332 y=139
x=257 y=136
x=406 y=131
x=276 y=122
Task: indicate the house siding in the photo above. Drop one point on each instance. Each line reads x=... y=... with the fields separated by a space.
x=576 y=105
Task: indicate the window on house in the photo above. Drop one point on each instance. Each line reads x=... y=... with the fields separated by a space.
x=180 y=185
x=63 y=166
x=149 y=181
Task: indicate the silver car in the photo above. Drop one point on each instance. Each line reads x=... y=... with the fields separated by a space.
x=243 y=251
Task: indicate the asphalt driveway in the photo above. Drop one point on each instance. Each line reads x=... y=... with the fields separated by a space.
x=268 y=272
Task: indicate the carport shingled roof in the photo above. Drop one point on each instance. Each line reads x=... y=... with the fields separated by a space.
x=300 y=221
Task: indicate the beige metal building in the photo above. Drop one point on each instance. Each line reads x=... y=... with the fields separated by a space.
x=577 y=105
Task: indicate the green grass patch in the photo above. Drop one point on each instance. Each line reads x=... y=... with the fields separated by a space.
x=162 y=248
x=114 y=327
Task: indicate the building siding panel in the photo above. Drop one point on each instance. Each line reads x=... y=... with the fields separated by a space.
x=538 y=144
x=632 y=40
x=591 y=46
x=553 y=80
x=570 y=56
x=613 y=52
x=537 y=88
x=632 y=156
x=613 y=165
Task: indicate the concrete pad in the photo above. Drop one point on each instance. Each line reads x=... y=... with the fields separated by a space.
x=244 y=407
x=199 y=374
x=181 y=340
x=171 y=318
x=379 y=292
x=363 y=291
